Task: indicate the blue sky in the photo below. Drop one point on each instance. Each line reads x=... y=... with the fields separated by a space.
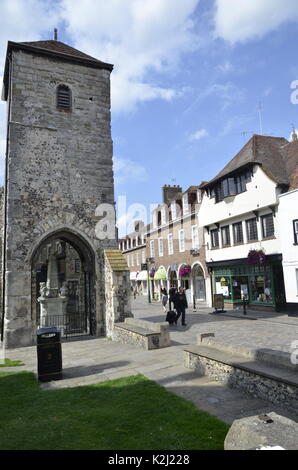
x=189 y=76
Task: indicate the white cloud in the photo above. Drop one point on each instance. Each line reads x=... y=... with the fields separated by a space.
x=126 y=93
x=227 y=93
x=225 y=67
x=138 y=36
x=127 y=170
x=242 y=20
x=239 y=124
x=26 y=21
x=199 y=134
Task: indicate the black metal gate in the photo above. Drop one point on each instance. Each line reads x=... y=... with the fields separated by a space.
x=70 y=324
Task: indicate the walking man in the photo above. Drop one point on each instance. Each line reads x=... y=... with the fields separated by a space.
x=180 y=303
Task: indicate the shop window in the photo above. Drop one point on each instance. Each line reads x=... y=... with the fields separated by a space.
x=261 y=289
x=214 y=238
x=240 y=287
x=225 y=236
x=223 y=286
x=238 y=233
x=267 y=226
x=252 y=229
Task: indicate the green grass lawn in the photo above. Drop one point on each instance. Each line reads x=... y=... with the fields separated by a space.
x=129 y=413
x=10 y=363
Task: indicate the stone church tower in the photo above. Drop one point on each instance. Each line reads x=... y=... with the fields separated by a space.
x=58 y=171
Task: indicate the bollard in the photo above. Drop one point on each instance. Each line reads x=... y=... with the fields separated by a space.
x=244 y=306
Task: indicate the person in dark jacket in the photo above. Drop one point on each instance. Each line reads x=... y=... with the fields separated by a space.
x=172 y=293
x=180 y=303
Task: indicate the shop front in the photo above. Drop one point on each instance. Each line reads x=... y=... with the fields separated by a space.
x=261 y=286
x=142 y=282
x=172 y=276
x=160 y=280
x=184 y=276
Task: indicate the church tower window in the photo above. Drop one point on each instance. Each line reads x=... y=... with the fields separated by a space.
x=64 y=98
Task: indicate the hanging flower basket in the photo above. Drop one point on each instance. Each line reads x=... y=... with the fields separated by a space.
x=152 y=273
x=256 y=257
x=185 y=270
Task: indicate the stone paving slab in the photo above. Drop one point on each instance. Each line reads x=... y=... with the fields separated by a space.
x=270 y=330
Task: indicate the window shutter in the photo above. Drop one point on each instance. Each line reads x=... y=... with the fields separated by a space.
x=63 y=97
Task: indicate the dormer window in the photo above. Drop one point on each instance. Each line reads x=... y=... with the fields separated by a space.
x=230 y=186
x=64 y=98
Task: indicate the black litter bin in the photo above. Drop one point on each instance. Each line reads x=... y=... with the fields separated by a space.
x=49 y=354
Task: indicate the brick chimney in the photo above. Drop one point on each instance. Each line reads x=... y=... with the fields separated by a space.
x=170 y=193
x=138 y=225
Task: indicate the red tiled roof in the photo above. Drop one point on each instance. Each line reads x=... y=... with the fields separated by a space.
x=291 y=163
x=60 y=47
x=269 y=152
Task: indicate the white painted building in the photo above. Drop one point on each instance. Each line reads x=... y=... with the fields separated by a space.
x=240 y=216
x=288 y=231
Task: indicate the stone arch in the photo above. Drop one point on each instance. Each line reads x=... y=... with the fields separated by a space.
x=172 y=277
x=83 y=251
x=198 y=277
x=197 y=263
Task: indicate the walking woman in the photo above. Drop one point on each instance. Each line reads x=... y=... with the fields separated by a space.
x=164 y=298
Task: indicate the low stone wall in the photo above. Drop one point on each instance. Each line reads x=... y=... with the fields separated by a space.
x=141 y=333
x=270 y=389
x=280 y=359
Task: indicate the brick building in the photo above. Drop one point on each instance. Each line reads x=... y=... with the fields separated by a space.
x=173 y=246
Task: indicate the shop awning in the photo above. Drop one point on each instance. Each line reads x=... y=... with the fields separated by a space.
x=142 y=276
x=161 y=274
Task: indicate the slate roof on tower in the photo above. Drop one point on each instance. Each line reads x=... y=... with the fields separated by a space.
x=54 y=49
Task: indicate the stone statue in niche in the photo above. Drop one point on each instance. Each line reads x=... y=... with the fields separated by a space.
x=43 y=290
x=64 y=290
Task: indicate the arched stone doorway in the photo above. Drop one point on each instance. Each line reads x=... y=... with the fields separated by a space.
x=63 y=284
x=198 y=281
x=172 y=277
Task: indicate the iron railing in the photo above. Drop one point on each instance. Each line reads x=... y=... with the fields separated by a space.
x=70 y=324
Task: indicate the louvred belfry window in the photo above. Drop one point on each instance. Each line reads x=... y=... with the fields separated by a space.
x=63 y=98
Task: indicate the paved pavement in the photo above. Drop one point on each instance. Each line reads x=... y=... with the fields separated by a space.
x=91 y=360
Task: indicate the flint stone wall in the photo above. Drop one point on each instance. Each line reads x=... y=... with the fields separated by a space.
x=59 y=170
x=276 y=392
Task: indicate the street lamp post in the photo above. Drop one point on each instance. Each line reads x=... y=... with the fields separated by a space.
x=146 y=268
